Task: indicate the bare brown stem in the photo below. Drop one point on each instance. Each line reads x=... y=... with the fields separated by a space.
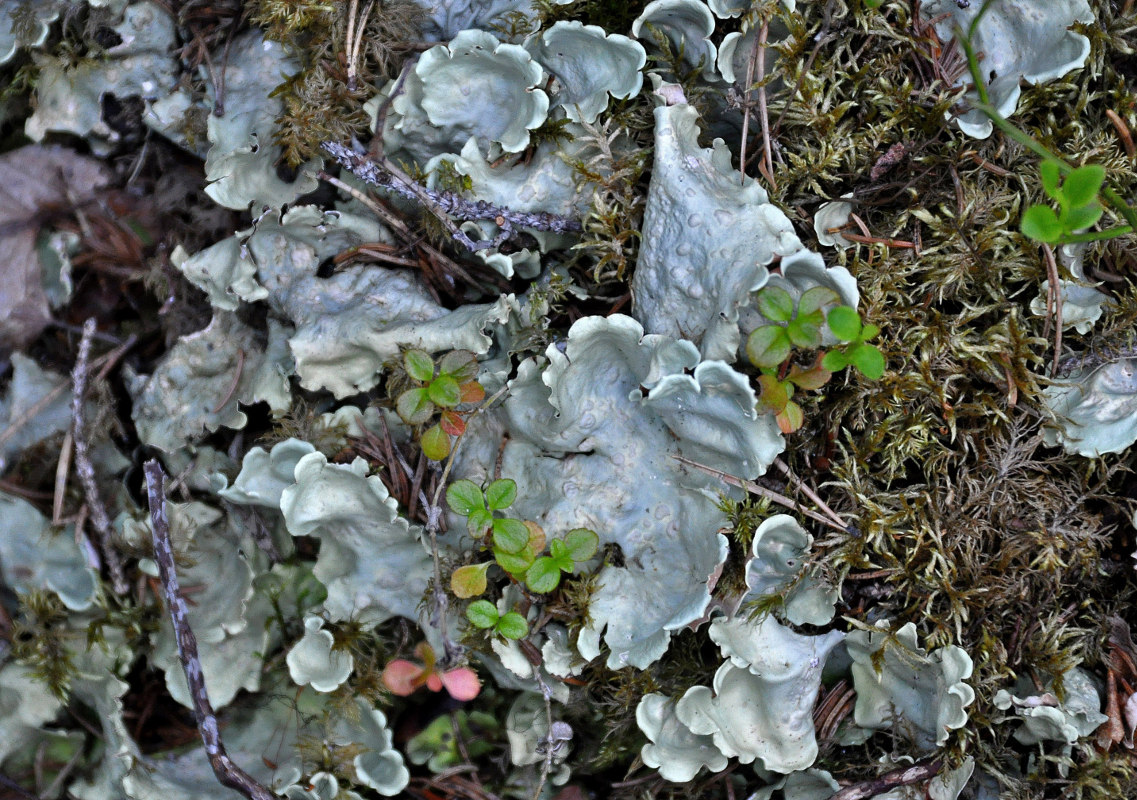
x=228 y=773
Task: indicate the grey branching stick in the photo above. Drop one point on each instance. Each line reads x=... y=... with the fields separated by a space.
x=447 y=204
x=83 y=466
x=228 y=773
x=916 y=773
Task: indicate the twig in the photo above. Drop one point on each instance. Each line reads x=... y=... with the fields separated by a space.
x=62 y=470
x=746 y=114
x=353 y=46
x=557 y=732
x=1123 y=132
x=770 y=494
x=890 y=780
x=236 y=380
x=808 y=491
x=1056 y=292
x=228 y=773
x=384 y=173
x=85 y=469
x=106 y=362
x=763 y=112
x=401 y=228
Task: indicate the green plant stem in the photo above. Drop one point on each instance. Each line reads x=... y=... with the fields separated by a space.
x=1025 y=139
x=1097 y=236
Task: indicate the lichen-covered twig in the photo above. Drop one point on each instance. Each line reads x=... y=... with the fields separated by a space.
x=890 y=780
x=85 y=469
x=445 y=205
x=228 y=773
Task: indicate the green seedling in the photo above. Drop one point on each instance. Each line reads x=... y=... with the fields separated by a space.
x=441 y=389
x=516 y=544
x=579 y=545
x=845 y=323
x=1078 y=203
x=483 y=614
x=802 y=327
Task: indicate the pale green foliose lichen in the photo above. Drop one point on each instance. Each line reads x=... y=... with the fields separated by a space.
x=33 y=556
x=778 y=565
x=902 y=687
x=589 y=65
x=706 y=239
x=760 y=704
x=313 y=662
x=1095 y=409
x=686 y=24
x=592 y=440
x=372 y=561
x=1020 y=40
x=70 y=95
x=672 y=748
x=1045 y=718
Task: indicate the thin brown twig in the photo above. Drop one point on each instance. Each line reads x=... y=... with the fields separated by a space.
x=85 y=469
x=1056 y=291
x=236 y=380
x=763 y=111
x=754 y=488
x=228 y=773
x=1122 y=132
x=808 y=491
x=746 y=114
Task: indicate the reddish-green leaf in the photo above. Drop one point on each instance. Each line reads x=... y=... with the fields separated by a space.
x=452 y=423
x=472 y=392
x=461 y=365
x=773 y=394
x=809 y=379
x=791 y=418
x=469 y=581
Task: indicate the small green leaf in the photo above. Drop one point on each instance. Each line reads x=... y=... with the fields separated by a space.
x=479 y=522
x=482 y=613
x=510 y=535
x=768 y=346
x=1081 y=186
x=445 y=391
x=461 y=365
x=435 y=443
x=419 y=364
x=515 y=563
x=845 y=323
x=1041 y=224
x=1049 y=172
x=414 y=406
x=812 y=300
x=1075 y=219
x=776 y=304
x=512 y=625
x=465 y=497
x=582 y=544
x=868 y=360
x=469 y=581
x=834 y=361
x=543 y=576
x=804 y=332
x=869 y=332
x=500 y=494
